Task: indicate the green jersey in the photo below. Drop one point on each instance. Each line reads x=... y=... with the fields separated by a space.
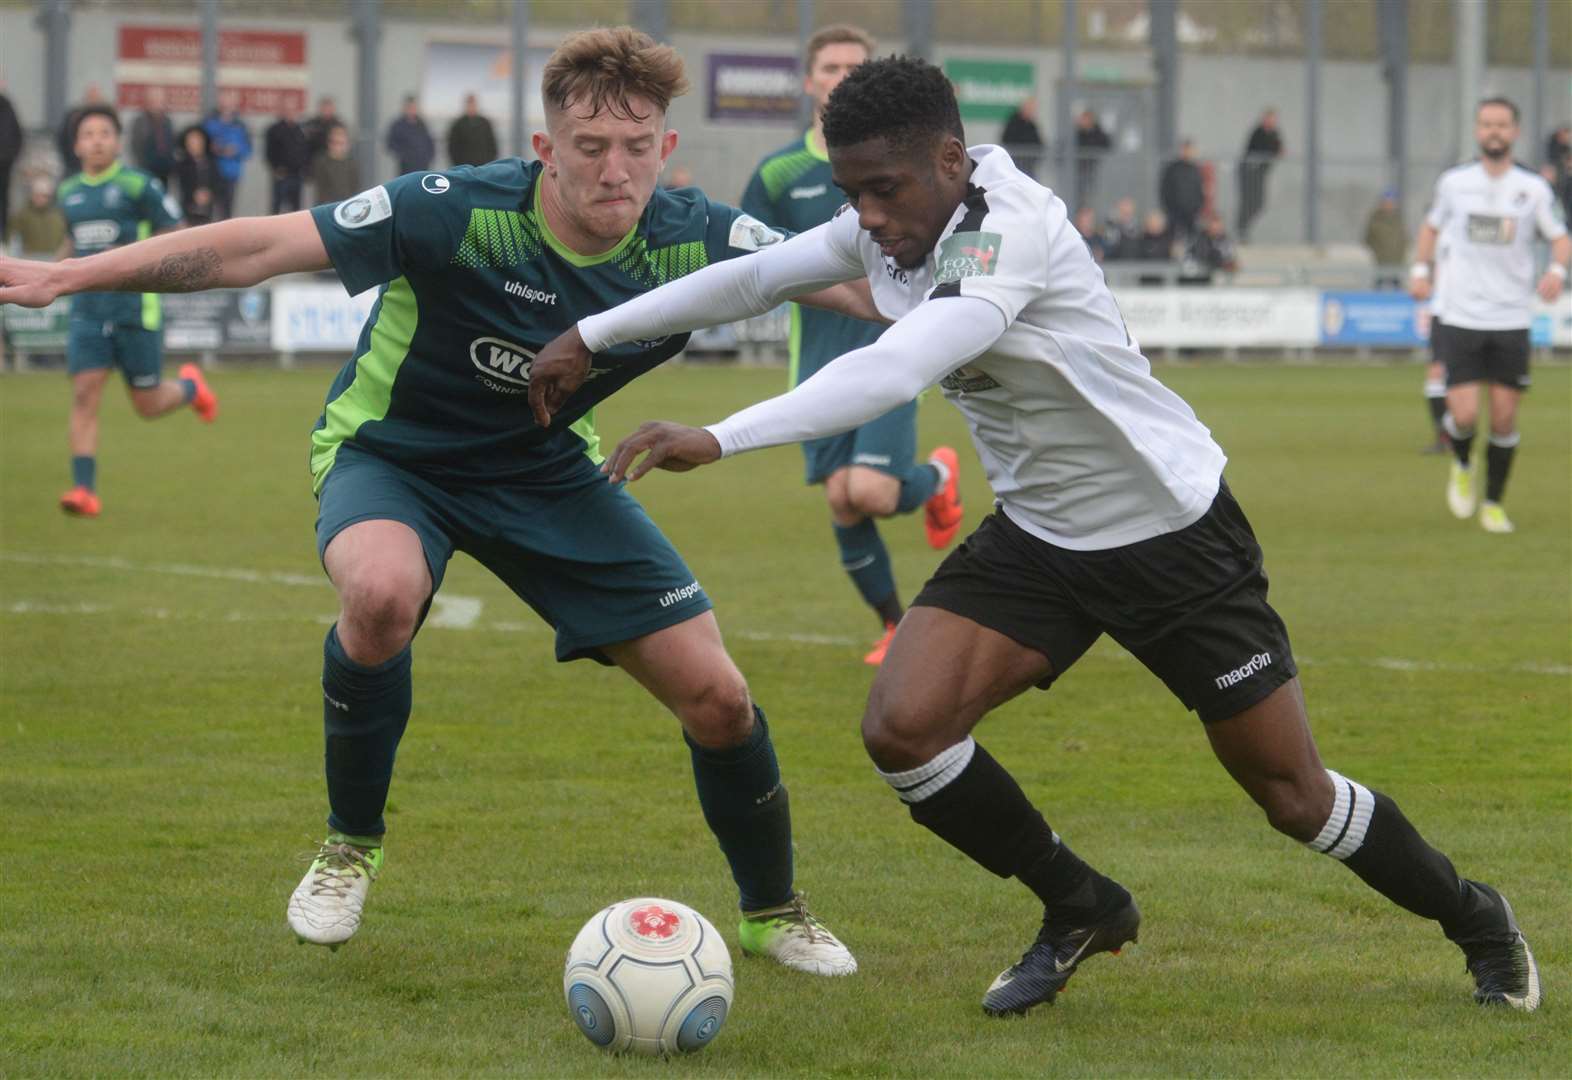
x=792 y=190
x=473 y=285
x=118 y=206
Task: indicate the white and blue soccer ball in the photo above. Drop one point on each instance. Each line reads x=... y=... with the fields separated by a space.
x=650 y=976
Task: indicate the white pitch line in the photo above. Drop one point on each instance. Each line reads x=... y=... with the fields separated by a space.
x=456 y=612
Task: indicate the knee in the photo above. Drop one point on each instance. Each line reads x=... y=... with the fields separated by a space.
x=83 y=400
x=381 y=611
x=898 y=733
x=873 y=494
x=1298 y=807
x=718 y=714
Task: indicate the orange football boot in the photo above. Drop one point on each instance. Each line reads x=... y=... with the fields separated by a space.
x=204 y=401
x=81 y=502
x=942 y=512
x=882 y=646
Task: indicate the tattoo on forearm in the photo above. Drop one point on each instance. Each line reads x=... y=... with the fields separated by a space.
x=189 y=271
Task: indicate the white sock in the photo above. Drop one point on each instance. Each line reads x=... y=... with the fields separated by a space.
x=915 y=785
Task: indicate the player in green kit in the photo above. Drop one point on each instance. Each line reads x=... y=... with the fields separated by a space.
x=426 y=446
x=870 y=471
x=107 y=205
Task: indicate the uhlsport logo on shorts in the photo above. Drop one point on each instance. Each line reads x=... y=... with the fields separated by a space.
x=676 y=596
x=1258 y=662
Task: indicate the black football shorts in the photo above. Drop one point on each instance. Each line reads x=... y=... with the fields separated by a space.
x=1497 y=356
x=1190 y=605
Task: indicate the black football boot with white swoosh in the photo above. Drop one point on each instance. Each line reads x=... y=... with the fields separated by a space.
x=1059 y=949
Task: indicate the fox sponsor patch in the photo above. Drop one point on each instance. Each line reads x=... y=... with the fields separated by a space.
x=966 y=255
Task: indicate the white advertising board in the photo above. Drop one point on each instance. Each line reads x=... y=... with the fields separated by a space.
x=318 y=316
x=1204 y=317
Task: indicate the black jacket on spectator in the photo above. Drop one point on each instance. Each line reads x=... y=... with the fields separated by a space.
x=471 y=141
x=411 y=145
x=1022 y=139
x=196 y=181
x=1119 y=241
x=10 y=150
x=1181 y=194
x=153 y=144
x=317 y=128
x=286 y=146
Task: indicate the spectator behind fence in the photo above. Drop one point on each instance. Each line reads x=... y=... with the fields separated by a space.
x=229 y=142
x=196 y=176
x=409 y=141
x=678 y=176
x=335 y=176
x=1208 y=251
x=1091 y=146
x=317 y=127
x=287 y=148
x=1021 y=137
x=1387 y=240
x=153 y=138
x=1558 y=155
x=1264 y=146
x=471 y=140
x=65 y=138
x=1121 y=232
x=1086 y=225
x=1181 y=192
x=38 y=228
x=10 y=150
x=1154 y=245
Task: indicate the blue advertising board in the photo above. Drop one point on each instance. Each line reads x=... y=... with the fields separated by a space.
x=1390 y=319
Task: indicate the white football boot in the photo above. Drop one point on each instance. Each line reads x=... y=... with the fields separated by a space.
x=1461 y=498
x=791 y=935
x=325 y=907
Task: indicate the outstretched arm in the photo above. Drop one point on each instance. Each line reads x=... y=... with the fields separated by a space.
x=935 y=339
x=1419 y=278
x=720 y=293
x=233 y=254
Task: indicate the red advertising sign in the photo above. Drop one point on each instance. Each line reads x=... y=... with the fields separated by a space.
x=266 y=68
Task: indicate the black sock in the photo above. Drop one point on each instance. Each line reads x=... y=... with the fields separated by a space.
x=1437 y=405
x=1371 y=836
x=889 y=610
x=1498 y=463
x=364 y=713
x=746 y=807
x=968 y=800
x=1462 y=441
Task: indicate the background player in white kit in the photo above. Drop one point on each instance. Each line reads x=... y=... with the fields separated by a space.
x=1113 y=518
x=1487 y=214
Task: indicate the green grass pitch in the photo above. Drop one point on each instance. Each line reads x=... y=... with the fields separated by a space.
x=160 y=760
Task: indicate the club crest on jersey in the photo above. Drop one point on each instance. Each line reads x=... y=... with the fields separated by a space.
x=967 y=255
x=367 y=208
x=751 y=234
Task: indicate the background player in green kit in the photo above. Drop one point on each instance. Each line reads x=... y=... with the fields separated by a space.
x=109 y=204
x=868 y=472
x=426 y=446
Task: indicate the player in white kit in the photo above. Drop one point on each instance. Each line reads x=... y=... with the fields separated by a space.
x=1487 y=214
x=1112 y=518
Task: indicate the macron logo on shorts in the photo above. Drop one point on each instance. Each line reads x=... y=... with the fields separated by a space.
x=1258 y=662
x=676 y=596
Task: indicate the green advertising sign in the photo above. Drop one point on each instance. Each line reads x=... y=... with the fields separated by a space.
x=991 y=89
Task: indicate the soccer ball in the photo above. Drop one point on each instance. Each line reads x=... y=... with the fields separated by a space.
x=648 y=975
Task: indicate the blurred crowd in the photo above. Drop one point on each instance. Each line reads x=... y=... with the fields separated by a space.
x=310 y=160
x=1182 y=235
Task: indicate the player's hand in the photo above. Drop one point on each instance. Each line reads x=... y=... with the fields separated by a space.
x=1419 y=288
x=675 y=447
x=1549 y=287
x=557 y=371
x=28 y=282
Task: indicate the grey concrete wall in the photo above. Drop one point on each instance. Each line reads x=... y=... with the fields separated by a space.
x=1222 y=97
